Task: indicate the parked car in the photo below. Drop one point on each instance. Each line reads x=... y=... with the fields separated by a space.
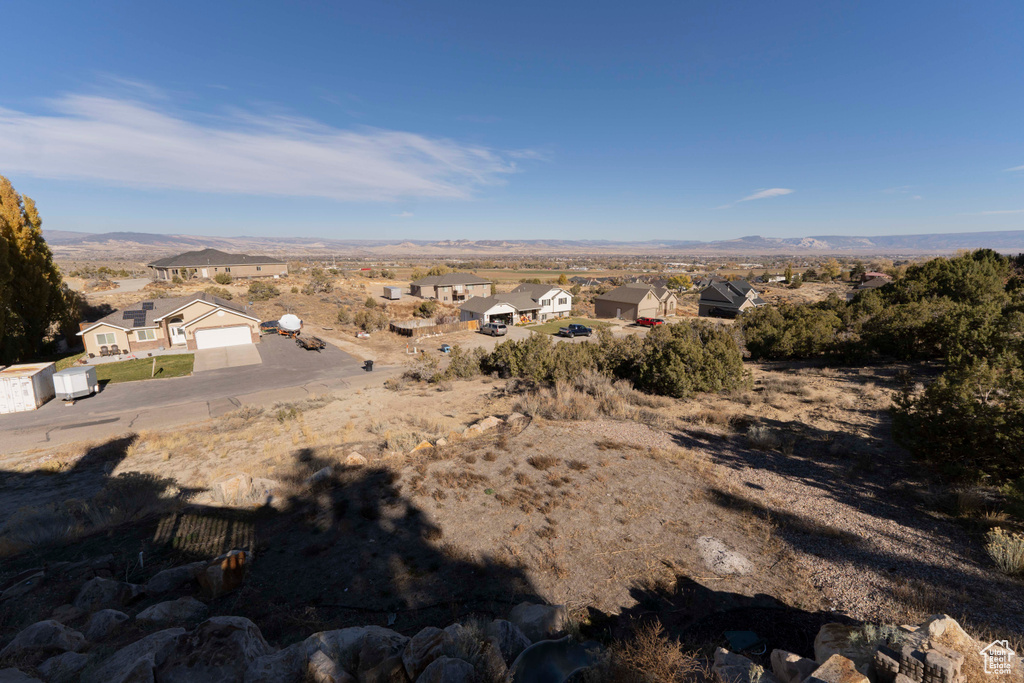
x=649 y=322
x=575 y=330
x=494 y=329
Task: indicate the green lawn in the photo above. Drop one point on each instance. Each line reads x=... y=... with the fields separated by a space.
x=67 y=361
x=552 y=326
x=177 y=365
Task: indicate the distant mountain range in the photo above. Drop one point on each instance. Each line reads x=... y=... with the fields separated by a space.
x=143 y=245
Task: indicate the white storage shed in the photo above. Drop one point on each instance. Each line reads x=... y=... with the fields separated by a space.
x=25 y=387
x=393 y=293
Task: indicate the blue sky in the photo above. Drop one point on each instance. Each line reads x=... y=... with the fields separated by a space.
x=570 y=120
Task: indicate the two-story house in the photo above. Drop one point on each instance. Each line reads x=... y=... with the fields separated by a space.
x=451 y=288
x=554 y=301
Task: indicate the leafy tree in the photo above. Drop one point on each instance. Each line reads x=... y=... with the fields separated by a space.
x=32 y=295
x=344 y=316
x=562 y=280
x=426 y=309
x=810 y=274
x=831 y=269
x=789 y=273
x=575 y=290
x=417 y=274
x=262 y=291
x=796 y=283
x=319 y=283
x=439 y=270
x=371 y=320
x=678 y=360
x=857 y=271
x=680 y=282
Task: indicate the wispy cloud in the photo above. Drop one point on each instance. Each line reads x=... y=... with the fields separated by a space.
x=766 y=194
x=1000 y=213
x=1016 y=168
x=126 y=141
x=760 y=194
x=404 y=214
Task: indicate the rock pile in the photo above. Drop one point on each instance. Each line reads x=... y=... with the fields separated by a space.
x=934 y=652
x=232 y=649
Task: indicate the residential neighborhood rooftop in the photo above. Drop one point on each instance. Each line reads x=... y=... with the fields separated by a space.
x=213 y=257
x=451 y=279
x=147 y=313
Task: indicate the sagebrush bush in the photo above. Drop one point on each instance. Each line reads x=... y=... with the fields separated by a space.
x=1006 y=550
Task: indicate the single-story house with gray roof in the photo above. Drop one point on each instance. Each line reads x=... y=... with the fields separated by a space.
x=199 y=321
x=208 y=263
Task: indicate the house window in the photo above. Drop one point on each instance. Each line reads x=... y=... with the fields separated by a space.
x=545 y=302
x=145 y=335
x=227 y=270
x=562 y=301
x=259 y=267
x=106 y=338
x=175 y=271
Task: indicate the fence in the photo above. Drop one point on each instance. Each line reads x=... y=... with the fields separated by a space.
x=429 y=328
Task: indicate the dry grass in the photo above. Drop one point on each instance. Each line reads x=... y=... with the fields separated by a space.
x=592 y=395
x=649 y=656
x=1006 y=550
x=543 y=462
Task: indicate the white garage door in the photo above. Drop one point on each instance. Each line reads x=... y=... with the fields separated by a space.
x=224 y=336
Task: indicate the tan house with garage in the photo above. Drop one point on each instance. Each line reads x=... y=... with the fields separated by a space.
x=200 y=321
x=451 y=288
x=208 y=263
x=633 y=301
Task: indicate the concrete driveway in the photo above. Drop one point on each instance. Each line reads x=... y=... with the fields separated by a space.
x=226 y=357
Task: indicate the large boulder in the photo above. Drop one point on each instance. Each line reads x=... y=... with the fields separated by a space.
x=540 y=622
x=13 y=675
x=447 y=670
x=379 y=645
x=101 y=624
x=391 y=670
x=323 y=669
x=839 y=639
x=791 y=668
x=837 y=669
x=173 y=611
x=285 y=666
x=99 y=593
x=508 y=638
x=173 y=578
x=135 y=662
x=720 y=559
x=43 y=637
x=424 y=648
x=225 y=573
x=63 y=668
x=218 y=651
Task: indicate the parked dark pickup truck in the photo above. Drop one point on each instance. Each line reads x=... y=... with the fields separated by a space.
x=575 y=330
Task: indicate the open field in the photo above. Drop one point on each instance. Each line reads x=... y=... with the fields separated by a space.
x=797 y=474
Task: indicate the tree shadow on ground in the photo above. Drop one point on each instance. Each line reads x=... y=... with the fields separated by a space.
x=342 y=548
x=699 y=616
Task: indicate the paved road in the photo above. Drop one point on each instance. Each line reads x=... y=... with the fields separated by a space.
x=226 y=357
x=287 y=373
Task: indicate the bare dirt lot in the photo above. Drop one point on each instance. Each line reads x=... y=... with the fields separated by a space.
x=790 y=494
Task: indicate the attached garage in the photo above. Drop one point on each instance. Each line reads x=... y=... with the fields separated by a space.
x=223 y=336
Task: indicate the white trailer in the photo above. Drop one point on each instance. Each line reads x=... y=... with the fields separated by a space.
x=25 y=387
x=75 y=382
x=393 y=293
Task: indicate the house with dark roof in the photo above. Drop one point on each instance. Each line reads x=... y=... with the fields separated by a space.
x=867 y=285
x=511 y=308
x=554 y=301
x=451 y=287
x=635 y=300
x=208 y=263
x=199 y=321
x=728 y=299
